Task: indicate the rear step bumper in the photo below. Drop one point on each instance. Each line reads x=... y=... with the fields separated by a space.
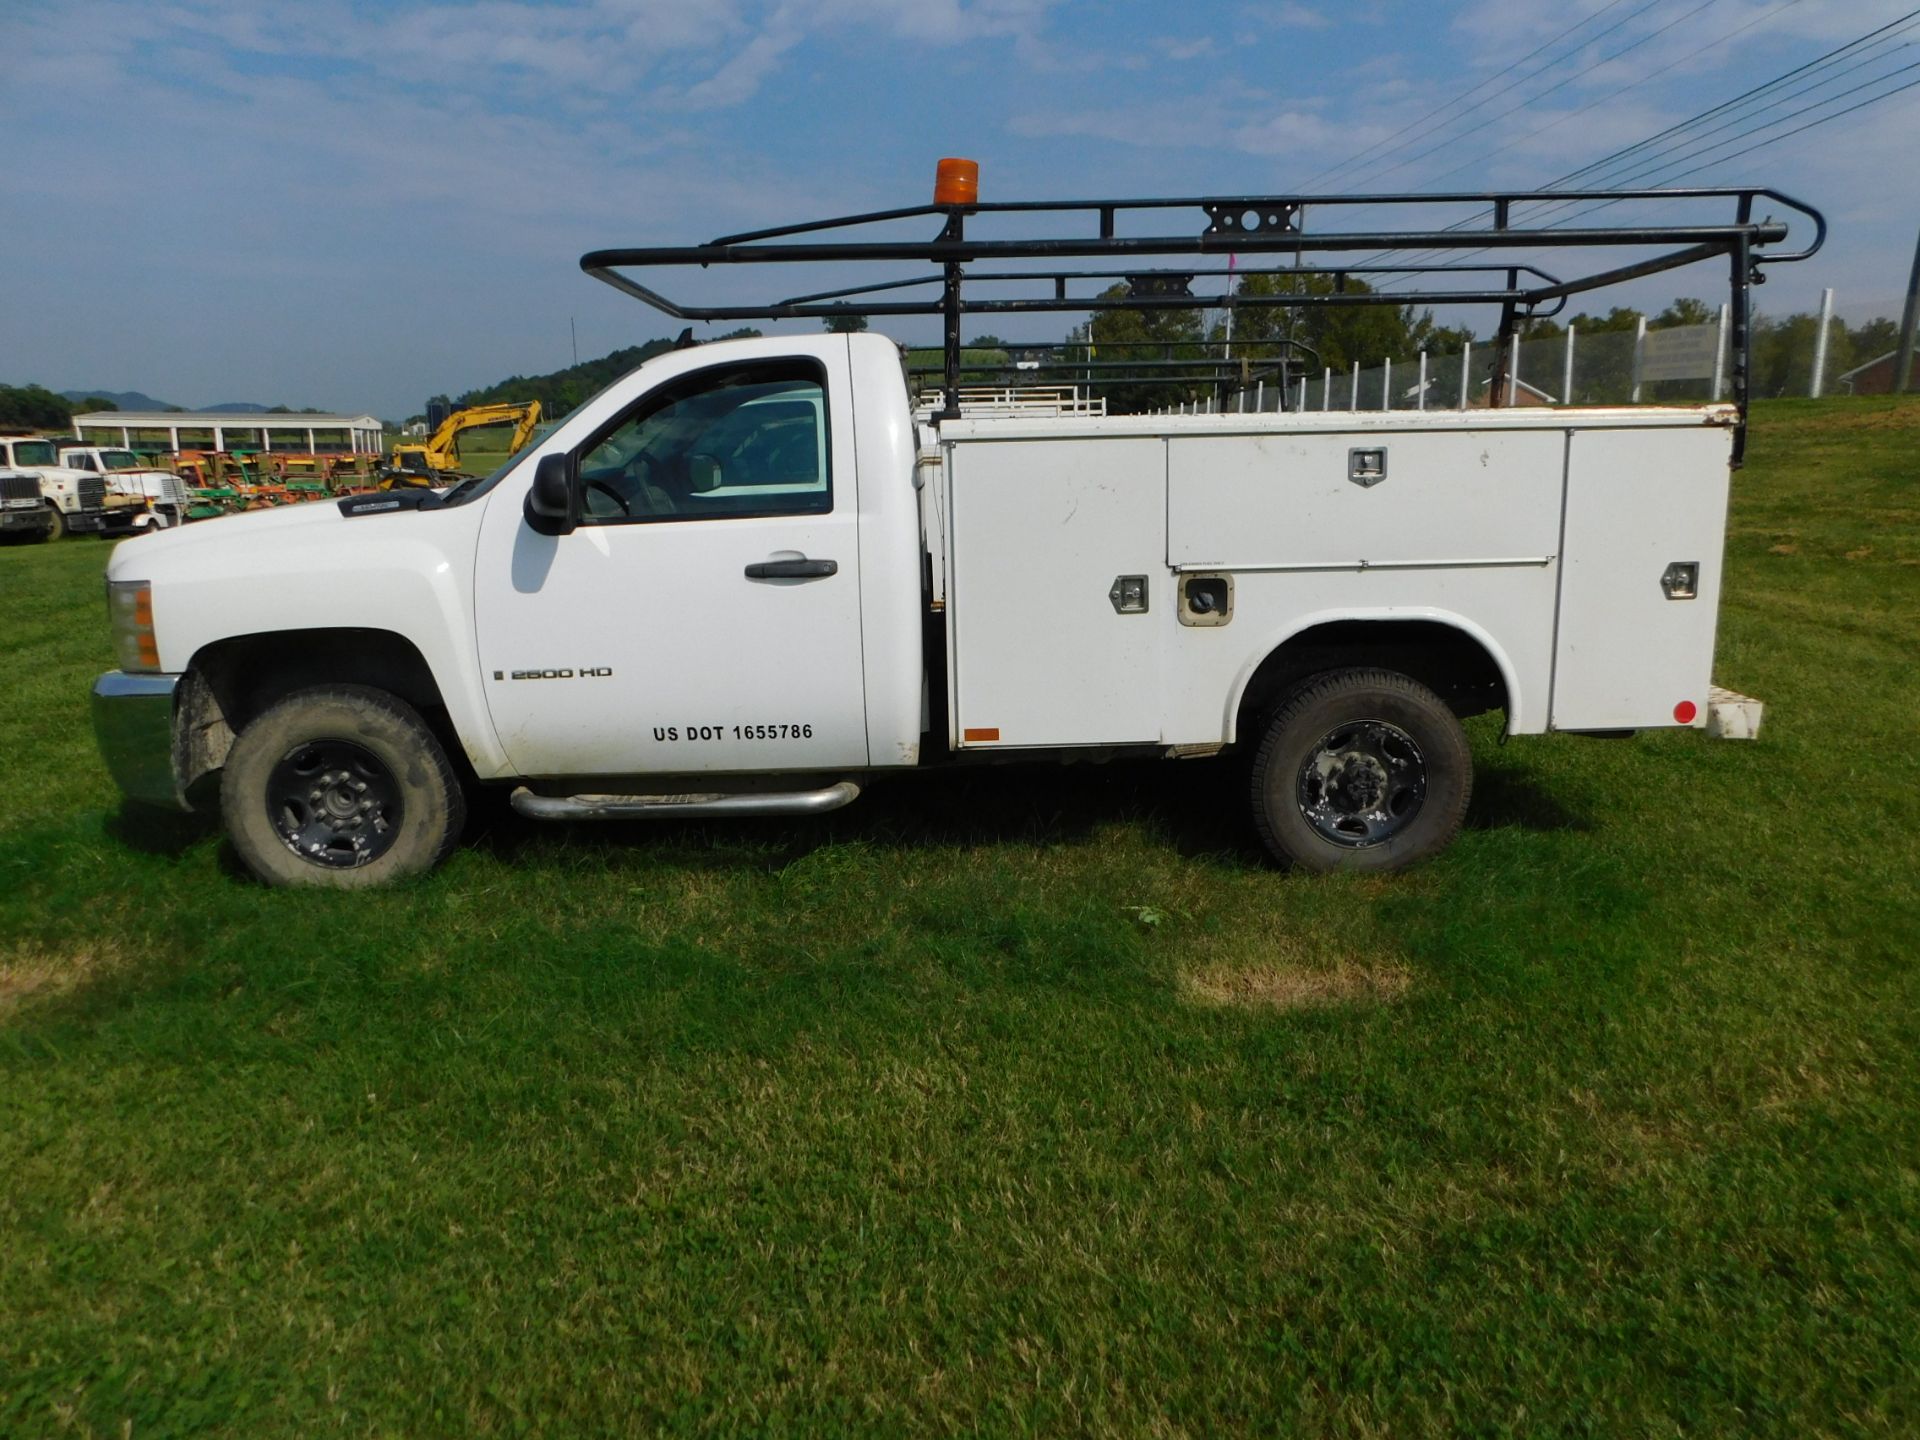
x=652 y=807
x=1733 y=716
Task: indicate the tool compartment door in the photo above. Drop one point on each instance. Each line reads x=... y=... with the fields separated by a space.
x=1040 y=532
x=1638 y=501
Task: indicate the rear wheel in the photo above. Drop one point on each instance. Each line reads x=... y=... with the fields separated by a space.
x=342 y=786
x=1361 y=770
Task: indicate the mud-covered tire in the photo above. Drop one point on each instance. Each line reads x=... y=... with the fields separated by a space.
x=56 y=526
x=1360 y=770
x=341 y=786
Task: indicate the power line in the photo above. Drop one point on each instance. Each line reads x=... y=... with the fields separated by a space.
x=1757 y=145
x=1770 y=140
x=1558 y=85
x=1338 y=166
x=1616 y=94
x=1817 y=61
x=1594 y=171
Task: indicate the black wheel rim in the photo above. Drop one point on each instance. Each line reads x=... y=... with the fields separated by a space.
x=334 y=803
x=1362 y=784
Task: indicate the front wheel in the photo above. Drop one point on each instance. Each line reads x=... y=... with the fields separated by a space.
x=56 y=524
x=342 y=786
x=1361 y=770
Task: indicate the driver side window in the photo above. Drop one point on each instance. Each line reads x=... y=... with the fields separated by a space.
x=719 y=444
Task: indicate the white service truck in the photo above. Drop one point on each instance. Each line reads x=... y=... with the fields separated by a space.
x=747 y=579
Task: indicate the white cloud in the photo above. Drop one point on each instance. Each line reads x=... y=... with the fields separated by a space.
x=1181 y=50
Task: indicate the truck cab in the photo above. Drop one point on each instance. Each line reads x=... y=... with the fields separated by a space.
x=126 y=474
x=22 y=513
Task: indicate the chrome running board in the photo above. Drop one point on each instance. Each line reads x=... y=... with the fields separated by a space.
x=714 y=803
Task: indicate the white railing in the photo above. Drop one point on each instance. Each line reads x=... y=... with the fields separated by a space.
x=1040 y=401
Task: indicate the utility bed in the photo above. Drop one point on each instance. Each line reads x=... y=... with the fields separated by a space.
x=1522 y=527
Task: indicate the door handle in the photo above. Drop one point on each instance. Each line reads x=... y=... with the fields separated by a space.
x=792 y=569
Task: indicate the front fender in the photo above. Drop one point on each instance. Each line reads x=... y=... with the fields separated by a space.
x=308 y=567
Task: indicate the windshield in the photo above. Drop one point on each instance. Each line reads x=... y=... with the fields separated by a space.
x=119 y=460
x=472 y=489
x=33 y=452
x=473 y=485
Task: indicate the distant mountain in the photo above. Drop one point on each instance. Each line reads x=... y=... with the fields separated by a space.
x=561 y=390
x=140 y=400
x=125 y=399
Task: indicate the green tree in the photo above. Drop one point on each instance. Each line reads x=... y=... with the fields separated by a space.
x=1603 y=356
x=1684 y=311
x=846 y=323
x=1873 y=339
x=1158 y=343
x=1342 y=335
x=33 y=407
x=1783 y=353
x=94 y=403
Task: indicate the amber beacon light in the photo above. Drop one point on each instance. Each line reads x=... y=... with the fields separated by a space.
x=956 y=182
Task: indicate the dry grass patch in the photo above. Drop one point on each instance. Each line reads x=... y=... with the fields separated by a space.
x=1277 y=987
x=31 y=972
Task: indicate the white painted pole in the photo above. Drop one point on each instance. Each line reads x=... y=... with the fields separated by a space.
x=1422 y=402
x=1566 y=370
x=1720 y=351
x=1242 y=409
x=1303 y=392
x=1466 y=371
x=1386 y=384
x=1819 y=348
x=1639 y=345
x=1513 y=370
x=1353 y=396
x=1326 y=393
x=1260 y=396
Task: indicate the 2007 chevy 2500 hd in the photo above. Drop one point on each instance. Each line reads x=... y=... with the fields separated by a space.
x=748 y=579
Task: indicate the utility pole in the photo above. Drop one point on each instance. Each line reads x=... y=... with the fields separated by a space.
x=576 y=339
x=1903 y=359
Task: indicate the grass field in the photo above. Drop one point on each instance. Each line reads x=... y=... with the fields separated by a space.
x=1018 y=1103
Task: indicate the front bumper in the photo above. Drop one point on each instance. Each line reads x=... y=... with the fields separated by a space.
x=118 y=521
x=35 y=520
x=133 y=721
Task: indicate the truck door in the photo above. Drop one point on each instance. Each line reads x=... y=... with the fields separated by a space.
x=705 y=615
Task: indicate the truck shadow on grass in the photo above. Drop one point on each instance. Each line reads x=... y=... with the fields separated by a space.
x=1198 y=809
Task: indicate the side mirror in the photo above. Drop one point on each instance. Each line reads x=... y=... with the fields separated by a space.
x=552 y=507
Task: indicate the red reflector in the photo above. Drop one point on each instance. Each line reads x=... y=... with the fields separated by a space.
x=1685 y=711
x=981 y=733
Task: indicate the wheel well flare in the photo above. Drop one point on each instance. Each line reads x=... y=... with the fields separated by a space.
x=1446 y=659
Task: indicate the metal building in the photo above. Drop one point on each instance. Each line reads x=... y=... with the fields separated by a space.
x=231 y=430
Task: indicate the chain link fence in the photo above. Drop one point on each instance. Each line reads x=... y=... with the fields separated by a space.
x=1794 y=355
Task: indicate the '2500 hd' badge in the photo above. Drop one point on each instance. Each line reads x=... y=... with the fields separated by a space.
x=584 y=672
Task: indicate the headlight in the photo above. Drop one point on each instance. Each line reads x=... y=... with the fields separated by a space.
x=130 y=611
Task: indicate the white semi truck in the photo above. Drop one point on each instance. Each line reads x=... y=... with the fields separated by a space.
x=747 y=579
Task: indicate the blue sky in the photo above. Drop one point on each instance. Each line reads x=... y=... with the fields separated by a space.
x=354 y=206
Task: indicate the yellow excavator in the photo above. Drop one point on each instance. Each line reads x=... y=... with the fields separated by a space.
x=437 y=461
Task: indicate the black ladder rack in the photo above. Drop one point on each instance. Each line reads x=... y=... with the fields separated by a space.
x=1240 y=226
